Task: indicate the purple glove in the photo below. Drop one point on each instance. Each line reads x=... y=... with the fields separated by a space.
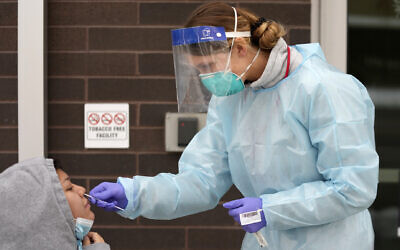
x=248 y=204
x=109 y=195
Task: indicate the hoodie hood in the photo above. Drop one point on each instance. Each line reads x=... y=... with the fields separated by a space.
x=276 y=66
x=34 y=211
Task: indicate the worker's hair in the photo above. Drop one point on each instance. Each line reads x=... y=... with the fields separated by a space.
x=265 y=33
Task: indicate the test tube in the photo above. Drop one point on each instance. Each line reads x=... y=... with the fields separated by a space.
x=261 y=240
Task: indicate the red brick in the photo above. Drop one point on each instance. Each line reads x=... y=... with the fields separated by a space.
x=8 y=39
x=94 y=182
x=115 y=64
x=156 y=64
x=7 y=159
x=147 y=140
x=132 y=90
x=66 y=39
x=65 y=139
x=153 y=164
x=92 y=13
x=166 y=13
x=66 y=89
x=92 y=64
x=65 y=115
x=8 y=64
x=8 y=14
x=8 y=89
x=154 y=114
x=298 y=36
x=143 y=238
x=129 y=39
x=8 y=114
x=66 y=64
x=285 y=13
x=216 y=238
x=215 y=217
x=9 y=137
x=132 y=115
x=96 y=164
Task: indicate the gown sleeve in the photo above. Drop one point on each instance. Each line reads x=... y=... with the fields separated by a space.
x=203 y=178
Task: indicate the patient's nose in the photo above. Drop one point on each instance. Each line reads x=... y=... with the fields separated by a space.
x=81 y=190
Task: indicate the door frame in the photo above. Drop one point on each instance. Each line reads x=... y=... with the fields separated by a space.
x=329 y=28
x=32 y=79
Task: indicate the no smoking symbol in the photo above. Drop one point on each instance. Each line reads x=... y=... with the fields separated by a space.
x=119 y=118
x=106 y=118
x=94 y=118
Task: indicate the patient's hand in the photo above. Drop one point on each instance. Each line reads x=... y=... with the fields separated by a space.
x=92 y=238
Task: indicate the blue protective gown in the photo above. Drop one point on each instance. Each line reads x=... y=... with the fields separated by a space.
x=305 y=146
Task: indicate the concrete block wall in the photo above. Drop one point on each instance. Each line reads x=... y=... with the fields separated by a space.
x=120 y=51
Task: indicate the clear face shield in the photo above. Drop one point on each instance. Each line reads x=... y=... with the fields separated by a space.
x=197 y=50
x=202 y=66
x=202 y=59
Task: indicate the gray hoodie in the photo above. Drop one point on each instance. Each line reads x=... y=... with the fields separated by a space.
x=34 y=213
x=276 y=65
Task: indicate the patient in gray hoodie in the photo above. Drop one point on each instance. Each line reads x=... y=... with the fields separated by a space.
x=41 y=209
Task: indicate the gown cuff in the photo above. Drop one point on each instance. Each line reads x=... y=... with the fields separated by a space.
x=131 y=189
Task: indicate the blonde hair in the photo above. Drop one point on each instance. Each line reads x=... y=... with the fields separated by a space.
x=265 y=36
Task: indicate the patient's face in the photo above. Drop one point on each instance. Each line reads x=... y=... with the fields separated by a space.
x=80 y=206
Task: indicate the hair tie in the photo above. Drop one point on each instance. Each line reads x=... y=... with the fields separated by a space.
x=254 y=27
x=257 y=24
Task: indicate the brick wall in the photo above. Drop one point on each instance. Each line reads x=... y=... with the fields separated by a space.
x=120 y=51
x=8 y=84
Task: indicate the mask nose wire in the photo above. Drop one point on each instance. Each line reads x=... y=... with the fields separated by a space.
x=233 y=39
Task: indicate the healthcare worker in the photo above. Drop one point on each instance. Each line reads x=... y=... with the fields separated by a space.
x=291 y=132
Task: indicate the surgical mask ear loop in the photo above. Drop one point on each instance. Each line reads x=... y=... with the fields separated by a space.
x=248 y=67
x=233 y=39
x=230 y=52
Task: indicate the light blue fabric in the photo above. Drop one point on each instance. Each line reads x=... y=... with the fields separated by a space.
x=222 y=83
x=305 y=146
x=225 y=83
x=82 y=228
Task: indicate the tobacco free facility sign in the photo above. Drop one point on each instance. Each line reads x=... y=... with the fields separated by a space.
x=107 y=125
